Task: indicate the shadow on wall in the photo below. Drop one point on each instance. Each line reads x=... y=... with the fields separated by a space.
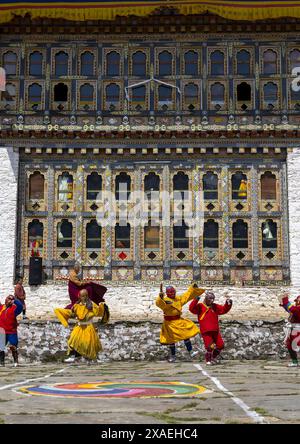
x=13 y=155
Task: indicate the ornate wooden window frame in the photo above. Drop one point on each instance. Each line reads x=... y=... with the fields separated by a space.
x=277 y=252
x=80 y=52
x=174 y=173
x=58 y=205
x=57 y=251
x=146 y=104
x=251 y=51
x=30 y=52
x=116 y=173
x=146 y=51
x=184 y=104
x=173 y=101
x=117 y=252
x=210 y=104
x=217 y=203
x=247 y=252
x=28 y=83
x=31 y=203
x=68 y=102
x=263 y=204
x=89 y=203
x=188 y=252
x=16 y=51
x=250 y=104
x=158 y=173
x=289 y=50
x=211 y=50
x=277 y=104
x=93 y=103
x=246 y=203
x=120 y=84
x=159 y=50
x=26 y=253
x=205 y=256
x=185 y=50
x=100 y=259
x=119 y=51
x=275 y=49
x=158 y=252
x=55 y=51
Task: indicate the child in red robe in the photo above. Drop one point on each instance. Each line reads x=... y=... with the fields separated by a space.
x=208 y=316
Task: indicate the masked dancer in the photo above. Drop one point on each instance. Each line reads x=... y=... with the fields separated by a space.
x=84 y=340
x=208 y=316
x=175 y=328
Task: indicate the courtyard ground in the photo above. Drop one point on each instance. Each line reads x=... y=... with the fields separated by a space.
x=234 y=392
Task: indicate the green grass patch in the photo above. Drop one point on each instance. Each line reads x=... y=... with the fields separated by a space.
x=236 y=421
x=184 y=407
x=260 y=411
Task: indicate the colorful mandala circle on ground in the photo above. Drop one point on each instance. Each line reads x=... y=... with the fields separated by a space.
x=116 y=390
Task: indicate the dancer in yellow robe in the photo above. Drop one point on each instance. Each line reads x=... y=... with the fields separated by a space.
x=175 y=328
x=84 y=340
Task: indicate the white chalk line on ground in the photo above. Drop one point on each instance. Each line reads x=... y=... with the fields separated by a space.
x=251 y=413
x=9 y=386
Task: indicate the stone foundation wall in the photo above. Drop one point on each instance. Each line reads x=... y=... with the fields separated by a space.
x=137 y=302
x=47 y=341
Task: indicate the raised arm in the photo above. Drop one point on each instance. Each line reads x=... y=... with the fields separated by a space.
x=19 y=307
x=287 y=305
x=191 y=293
x=223 y=309
x=194 y=306
x=98 y=310
x=63 y=315
x=74 y=278
x=160 y=303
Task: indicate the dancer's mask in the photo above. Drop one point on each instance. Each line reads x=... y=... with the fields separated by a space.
x=170 y=292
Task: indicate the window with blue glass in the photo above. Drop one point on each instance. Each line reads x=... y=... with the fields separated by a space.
x=113 y=63
x=139 y=64
x=61 y=63
x=87 y=64
x=36 y=64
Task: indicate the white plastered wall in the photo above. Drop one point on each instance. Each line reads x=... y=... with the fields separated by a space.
x=9 y=164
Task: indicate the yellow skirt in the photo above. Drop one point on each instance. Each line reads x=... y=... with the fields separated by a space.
x=177 y=330
x=85 y=341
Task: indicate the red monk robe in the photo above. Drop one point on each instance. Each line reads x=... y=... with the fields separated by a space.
x=95 y=291
x=292 y=339
x=208 y=316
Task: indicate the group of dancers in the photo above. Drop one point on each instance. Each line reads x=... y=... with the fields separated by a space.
x=87 y=306
x=176 y=329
